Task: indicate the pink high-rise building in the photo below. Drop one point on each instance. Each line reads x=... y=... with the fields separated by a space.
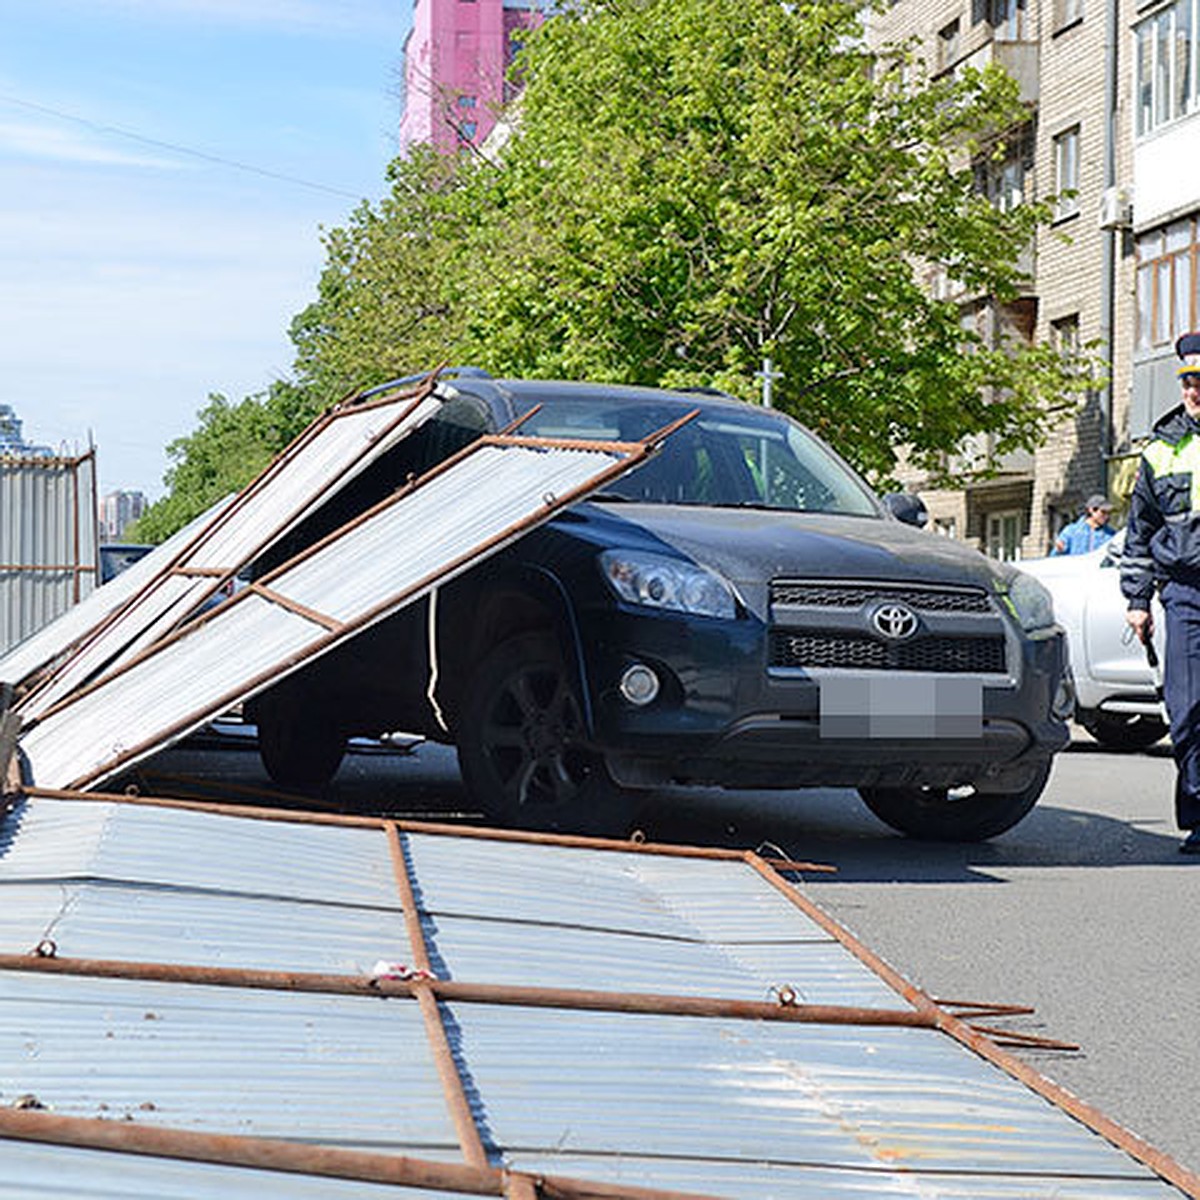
x=456 y=59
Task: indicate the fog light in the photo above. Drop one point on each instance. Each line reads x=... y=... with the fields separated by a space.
x=639 y=685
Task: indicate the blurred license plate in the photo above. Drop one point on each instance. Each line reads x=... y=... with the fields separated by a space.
x=892 y=706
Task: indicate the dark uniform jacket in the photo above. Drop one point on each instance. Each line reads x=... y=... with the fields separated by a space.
x=1162 y=538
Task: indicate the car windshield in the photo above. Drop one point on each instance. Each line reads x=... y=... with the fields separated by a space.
x=726 y=457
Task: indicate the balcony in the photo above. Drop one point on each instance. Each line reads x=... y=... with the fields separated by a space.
x=1019 y=59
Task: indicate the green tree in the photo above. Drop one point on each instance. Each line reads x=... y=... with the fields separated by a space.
x=231 y=445
x=693 y=186
x=699 y=184
x=390 y=300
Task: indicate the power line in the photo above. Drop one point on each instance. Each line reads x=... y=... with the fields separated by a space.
x=175 y=147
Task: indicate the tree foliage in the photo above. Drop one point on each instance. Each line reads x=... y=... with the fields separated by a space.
x=694 y=186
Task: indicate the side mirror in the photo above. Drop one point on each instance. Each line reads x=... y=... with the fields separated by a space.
x=906 y=507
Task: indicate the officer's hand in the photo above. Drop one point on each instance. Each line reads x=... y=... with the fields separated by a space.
x=1141 y=622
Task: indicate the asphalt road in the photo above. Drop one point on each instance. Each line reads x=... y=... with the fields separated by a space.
x=1084 y=911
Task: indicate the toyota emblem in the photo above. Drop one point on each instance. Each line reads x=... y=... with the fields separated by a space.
x=895 y=621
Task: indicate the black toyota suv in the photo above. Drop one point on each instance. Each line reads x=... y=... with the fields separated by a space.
x=739 y=611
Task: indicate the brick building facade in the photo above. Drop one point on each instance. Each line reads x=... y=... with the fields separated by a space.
x=1111 y=92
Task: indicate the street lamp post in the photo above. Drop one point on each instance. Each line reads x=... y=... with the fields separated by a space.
x=768 y=375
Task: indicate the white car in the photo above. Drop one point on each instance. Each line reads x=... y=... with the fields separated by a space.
x=1117 y=699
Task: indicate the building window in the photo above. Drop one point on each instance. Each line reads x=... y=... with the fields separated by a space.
x=949 y=44
x=1003 y=182
x=1004 y=535
x=1067 y=12
x=1066 y=173
x=1064 y=337
x=1008 y=20
x=1165 y=85
x=1168 y=283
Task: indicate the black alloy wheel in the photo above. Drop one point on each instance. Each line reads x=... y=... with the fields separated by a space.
x=522 y=745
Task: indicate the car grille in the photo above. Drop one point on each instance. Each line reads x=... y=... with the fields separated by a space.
x=809 y=594
x=815 y=648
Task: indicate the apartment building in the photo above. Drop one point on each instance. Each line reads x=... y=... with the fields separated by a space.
x=1113 y=131
x=456 y=63
x=117 y=511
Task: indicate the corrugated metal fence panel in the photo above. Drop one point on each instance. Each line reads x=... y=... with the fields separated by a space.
x=156 y=885
x=850 y=1103
x=77 y=622
x=711 y=1104
x=350 y=1071
x=370 y=570
x=713 y=928
x=47 y=541
x=340 y=448
x=332 y=452
x=166 y=695
x=491 y=490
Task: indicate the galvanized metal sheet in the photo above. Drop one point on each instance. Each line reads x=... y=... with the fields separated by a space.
x=120 y=882
x=852 y=1101
x=348 y=1071
x=496 y=490
x=717 y=925
x=53 y=640
x=47 y=541
x=334 y=450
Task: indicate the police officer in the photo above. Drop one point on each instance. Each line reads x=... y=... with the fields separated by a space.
x=1162 y=546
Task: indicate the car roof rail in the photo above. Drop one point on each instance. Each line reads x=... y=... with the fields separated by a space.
x=406 y=380
x=700 y=389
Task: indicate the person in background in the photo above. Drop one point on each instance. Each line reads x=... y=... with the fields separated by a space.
x=1089 y=531
x=1162 y=549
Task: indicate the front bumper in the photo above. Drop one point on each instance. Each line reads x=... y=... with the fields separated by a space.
x=724 y=718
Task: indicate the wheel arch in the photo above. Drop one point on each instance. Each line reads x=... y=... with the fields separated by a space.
x=526 y=599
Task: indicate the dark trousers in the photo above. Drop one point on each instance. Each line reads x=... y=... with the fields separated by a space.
x=1181 y=691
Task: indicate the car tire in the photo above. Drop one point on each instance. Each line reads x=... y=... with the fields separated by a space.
x=1124 y=731
x=522 y=748
x=299 y=748
x=953 y=815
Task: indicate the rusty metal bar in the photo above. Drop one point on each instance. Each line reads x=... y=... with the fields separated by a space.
x=45 y=961
x=519 y=1187
x=469 y=1139
x=332 y=624
x=432 y=828
x=296 y=1158
x=1162 y=1164
x=198 y=572
x=74 y=568
x=1017 y=1038
x=235 y=1150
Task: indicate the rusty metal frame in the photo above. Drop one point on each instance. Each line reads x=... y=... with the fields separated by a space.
x=925 y=1012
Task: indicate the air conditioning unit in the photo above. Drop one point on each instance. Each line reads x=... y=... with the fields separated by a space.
x=1116 y=208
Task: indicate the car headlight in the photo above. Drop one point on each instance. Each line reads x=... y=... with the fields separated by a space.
x=670 y=583
x=1030 y=602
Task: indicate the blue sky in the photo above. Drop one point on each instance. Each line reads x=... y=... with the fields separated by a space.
x=166 y=167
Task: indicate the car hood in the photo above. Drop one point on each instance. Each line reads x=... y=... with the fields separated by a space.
x=750 y=546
